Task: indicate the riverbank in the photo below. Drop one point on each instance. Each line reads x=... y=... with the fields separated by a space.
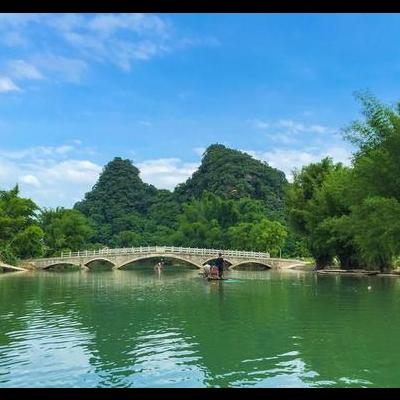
x=10 y=268
x=333 y=270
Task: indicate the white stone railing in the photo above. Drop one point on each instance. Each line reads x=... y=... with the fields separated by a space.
x=164 y=249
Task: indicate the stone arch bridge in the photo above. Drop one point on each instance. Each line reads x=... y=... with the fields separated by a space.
x=118 y=258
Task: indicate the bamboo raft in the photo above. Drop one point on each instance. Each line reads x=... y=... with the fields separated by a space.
x=212 y=278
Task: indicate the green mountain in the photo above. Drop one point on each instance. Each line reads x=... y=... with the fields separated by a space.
x=233 y=174
x=124 y=210
x=118 y=191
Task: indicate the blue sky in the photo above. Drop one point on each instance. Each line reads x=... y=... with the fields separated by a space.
x=77 y=90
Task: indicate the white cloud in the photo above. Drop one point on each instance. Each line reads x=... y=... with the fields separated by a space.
x=258 y=124
x=64 y=22
x=283 y=138
x=287 y=160
x=69 y=69
x=54 y=176
x=7 y=85
x=319 y=129
x=30 y=180
x=20 y=69
x=50 y=175
x=36 y=152
x=166 y=173
x=290 y=126
x=108 y=24
x=49 y=182
x=120 y=38
x=71 y=171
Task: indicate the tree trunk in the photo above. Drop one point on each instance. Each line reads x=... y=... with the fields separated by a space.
x=348 y=262
x=322 y=262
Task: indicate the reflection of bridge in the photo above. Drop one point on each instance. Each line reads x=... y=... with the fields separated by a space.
x=118 y=258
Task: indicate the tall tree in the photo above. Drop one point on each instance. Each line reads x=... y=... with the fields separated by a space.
x=375 y=185
x=64 y=230
x=20 y=235
x=300 y=208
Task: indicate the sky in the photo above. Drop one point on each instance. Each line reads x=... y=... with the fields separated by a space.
x=77 y=90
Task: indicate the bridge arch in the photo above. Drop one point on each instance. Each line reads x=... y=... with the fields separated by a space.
x=99 y=259
x=267 y=266
x=162 y=255
x=59 y=264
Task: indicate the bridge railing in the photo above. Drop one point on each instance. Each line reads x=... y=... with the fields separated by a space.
x=164 y=249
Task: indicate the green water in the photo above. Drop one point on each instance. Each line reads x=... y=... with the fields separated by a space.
x=137 y=329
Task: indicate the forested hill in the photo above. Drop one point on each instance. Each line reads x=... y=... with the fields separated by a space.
x=233 y=174
x=119 y=190
x=118 y=200
x=124 y=210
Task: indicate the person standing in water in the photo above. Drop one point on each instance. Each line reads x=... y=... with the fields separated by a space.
x=219 y=263
x=159 y=266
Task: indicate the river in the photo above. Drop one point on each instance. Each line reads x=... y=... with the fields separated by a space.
x=137 y=329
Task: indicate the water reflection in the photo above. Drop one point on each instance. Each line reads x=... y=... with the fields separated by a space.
x=143 y=329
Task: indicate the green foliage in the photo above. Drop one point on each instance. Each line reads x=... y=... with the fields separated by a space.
x=7 y=255
x=20 y=235
x=29 y=242
x=304 y=208
x=375 y=188
x=120 y=202
x=376 y=228
x=64 y=230
x=351 y=213
x=117 y=200
x=229 y=188
x=232 y=201
x=126 y=239
x=215 y=222
x=232 y=174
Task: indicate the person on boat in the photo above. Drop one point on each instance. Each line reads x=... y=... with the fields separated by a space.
x=207 y=270
x=219 y=263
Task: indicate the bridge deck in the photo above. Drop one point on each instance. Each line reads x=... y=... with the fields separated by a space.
x=164 y=249
x=122 y=256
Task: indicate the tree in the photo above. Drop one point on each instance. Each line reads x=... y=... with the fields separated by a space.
x=64 y=230
x=376 y=226
x=127 y=239
x=268 y=236
x=300 y=208
x=240 y=236
x=376 y=163
x=29 y=242
x=375 y=185
x=20 y=235
x=329 y=216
